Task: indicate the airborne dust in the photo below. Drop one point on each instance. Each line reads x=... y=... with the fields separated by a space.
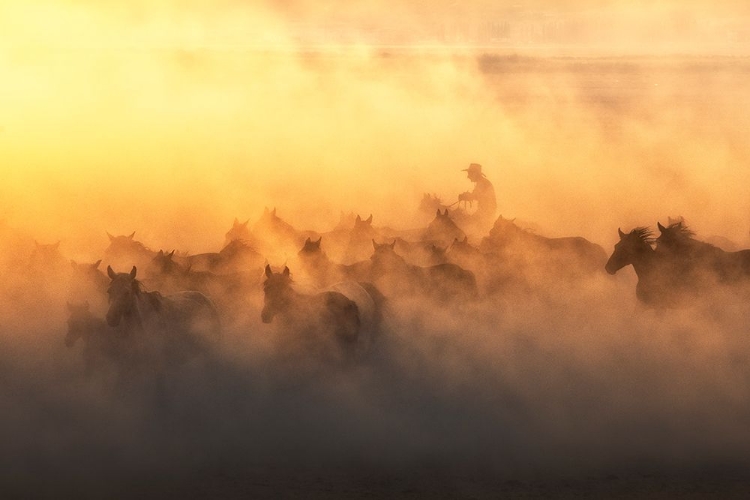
x=172 y=120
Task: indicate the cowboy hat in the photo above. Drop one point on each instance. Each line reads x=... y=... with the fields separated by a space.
x=474 y=168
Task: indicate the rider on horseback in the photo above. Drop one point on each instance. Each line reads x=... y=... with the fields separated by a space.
x=483 y=194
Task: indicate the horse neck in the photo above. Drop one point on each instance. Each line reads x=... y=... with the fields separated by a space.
x=296 y=303
x=318 y=260
x=143 y=311
x=389 y=263
x=645 y=262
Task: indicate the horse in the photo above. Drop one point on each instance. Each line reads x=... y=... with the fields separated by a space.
x=126 y=251
x=443 y=230
x=421 y=253
x=102 y=347
x=431 y=202
x=662 y=281
x=236 y=256
x=701 y=259
x=239 y=231
x=174 y=327
x=46 y=258
x=88 y=283
x=169 y=275
x=569 y=256
x=345 y=313
x=443 y=282
x=358 y=244
x=276 y=236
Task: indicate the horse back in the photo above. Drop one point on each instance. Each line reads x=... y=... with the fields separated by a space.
x=193 y=310
x=451 y=279
x=359 y=295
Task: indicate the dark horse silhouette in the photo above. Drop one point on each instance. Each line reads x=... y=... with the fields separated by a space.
x=699 y=259
x=172 y=327
x=127 y=251
x=443 y=282
x=443 y=230
x=656 y=283
x=344 y=312
x=666 y=277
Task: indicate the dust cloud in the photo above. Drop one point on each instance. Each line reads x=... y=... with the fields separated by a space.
x=171 y=119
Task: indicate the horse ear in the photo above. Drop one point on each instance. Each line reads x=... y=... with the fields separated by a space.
x=73 y=264
x=246 y=222
x=111 y=273
x=369 y=219
x=236 y=222
x=269 y=273
x=131 y=235
x=307 y=241
x=286 y=271
x=661 y=228
x=622 y=235
x=374 y=245
x=265 y=210
x=133 y=272
x=273 y=212
x=438 y=214
x=466 y=239
x=319 y=240
x=111 y=238
x=56 y=245
x=393 y=245
x=96 y=264
x=359 y=219
x=171 y=254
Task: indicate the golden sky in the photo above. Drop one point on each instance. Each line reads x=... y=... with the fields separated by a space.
x=171 y=118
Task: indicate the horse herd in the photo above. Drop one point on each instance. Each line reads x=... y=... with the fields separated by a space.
x=334 y=288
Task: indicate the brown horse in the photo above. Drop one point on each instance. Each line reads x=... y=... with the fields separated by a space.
x=526 y=251
x=173 y=326
x=443 y=282
x=344 y=312
x=700 y=259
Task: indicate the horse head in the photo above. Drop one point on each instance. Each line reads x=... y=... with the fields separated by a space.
x=163 y=263
x=631 y=247
x=675 y=235
x=363 y=225
x=443 y=228
x=385 y=256
x=239 y=231
x=277 y=293
x=123 y=292
x=310 y=248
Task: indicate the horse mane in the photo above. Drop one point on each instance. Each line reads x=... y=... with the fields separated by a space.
x=129 y=244
x=238 y=244
x=644 y=234
x=154 y=299
x=682 y=230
